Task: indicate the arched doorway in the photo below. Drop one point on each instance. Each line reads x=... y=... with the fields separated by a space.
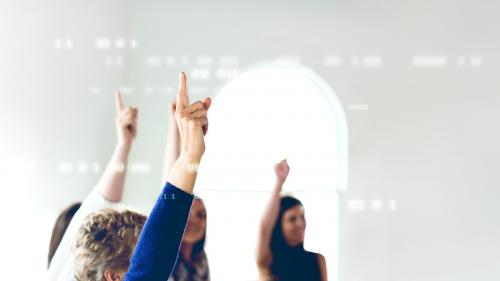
x=268 y=113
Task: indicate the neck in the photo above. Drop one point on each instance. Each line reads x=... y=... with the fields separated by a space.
x=294 y=247
x=292 y=244
x=187 y=251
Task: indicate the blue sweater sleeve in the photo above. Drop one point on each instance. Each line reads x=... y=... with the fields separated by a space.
x=158 y=246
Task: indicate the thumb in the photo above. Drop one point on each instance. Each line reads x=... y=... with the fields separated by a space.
x=207 y=102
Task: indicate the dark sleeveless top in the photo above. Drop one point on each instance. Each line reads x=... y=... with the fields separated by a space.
x=295 y=264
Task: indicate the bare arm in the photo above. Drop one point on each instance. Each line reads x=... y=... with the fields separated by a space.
x=264 y=255
x=112 y=181
x=322 y=267
x=173 y=148
x=192 y=123
x=158 y=246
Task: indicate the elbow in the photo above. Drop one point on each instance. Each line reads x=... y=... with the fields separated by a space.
x=262 y=260
x=261 y=263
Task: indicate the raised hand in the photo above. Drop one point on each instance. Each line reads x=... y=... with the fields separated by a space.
x=281 y=169
x=126 y=121
x=192 y=122
x=172 y=106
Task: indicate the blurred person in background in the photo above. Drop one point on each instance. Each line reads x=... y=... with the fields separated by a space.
x=192 y=264
x=60 y=227
x=106 y=194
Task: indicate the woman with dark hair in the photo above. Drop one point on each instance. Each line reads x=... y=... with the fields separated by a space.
x=192 y=264
x=60 y=227
x=280 y=248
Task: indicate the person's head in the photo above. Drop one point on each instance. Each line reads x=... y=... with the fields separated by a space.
x=290 y=225
x=60 y=227
x=196 y=228
x=105 y=243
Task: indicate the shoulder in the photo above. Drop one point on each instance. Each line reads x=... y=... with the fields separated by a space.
x=96 y=201
x=322 y=266
x=320 y=257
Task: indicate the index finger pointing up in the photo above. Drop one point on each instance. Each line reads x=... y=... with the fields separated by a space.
x=182 y=97
x=118 y=102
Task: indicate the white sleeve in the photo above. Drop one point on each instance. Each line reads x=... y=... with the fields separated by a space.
x=61 y=266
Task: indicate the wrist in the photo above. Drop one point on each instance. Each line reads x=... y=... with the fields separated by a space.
x=189 y=161
x=278 y=185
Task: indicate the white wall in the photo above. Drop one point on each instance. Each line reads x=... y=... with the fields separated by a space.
x=47 y=117
x=428 y=140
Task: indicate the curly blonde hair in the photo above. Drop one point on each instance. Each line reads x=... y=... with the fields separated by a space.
x=106 y=241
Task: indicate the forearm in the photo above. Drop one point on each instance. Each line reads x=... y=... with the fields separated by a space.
x=172 y=150
x=112 y=181
x=184 y=172
x=272 y=208
x=268 y=220
x=158 y=246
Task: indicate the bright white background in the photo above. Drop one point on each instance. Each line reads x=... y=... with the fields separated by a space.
x=237 y=174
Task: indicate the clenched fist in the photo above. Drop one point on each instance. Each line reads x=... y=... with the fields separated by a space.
x=281 y=169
